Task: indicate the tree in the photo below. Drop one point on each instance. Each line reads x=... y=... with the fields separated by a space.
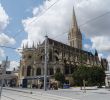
x=92 y=76
x=80 y=74
x=98 y=76
x=59 y=77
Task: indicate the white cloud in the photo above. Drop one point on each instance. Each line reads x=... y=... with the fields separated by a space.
x=87 y=46
x=101 y=43
x=13 y=64
x=4 y=19
x=58 y=19
x=4 y=39
x=54 y=22
x=97 y=29
x=2 y=54
x=100 y=56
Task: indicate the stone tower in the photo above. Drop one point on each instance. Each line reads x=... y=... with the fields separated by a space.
x=75 y=36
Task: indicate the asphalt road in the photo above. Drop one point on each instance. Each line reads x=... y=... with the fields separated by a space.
x=18 y=95
x=61 y=94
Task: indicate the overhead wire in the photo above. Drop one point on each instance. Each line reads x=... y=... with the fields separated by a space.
x=89 y=21
x=95 y=18
x=37 y=18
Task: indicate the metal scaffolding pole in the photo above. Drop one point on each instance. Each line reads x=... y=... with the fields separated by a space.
x=45 y=65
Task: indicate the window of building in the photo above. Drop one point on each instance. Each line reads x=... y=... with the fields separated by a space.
x=58 y=70
x=70 y=43
x=29 y=56
x=56 y=58
x=71 y=69
x=73 y=43
x=51 y=71
x=67 y=70
x=38 y=71
x=50 y=55
x=29 y=71
x=23 y=71
x=32 y=71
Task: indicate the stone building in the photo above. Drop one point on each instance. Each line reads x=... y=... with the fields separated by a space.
x=61 y=57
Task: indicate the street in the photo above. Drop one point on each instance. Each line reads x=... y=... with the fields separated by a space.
x=61 y=94
x=27 y=95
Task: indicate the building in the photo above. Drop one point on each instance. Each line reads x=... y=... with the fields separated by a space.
x=10 y=78
x=61 y=57
x=107 y=79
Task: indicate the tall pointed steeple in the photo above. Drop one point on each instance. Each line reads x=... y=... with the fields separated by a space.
x=75 y=36
x=74 y=20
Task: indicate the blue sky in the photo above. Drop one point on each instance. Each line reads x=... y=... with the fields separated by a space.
x=17 y=10
x=55 y=21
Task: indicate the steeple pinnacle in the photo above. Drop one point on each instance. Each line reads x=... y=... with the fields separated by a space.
x=74 y=19
x=75 y=36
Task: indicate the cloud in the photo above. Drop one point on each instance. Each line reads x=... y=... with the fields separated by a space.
x=4 y=18
x=4 y=39
x=4 y=21
x=58 y=19
x=87 y=46
x=101 y=43
x=2 y=54
x=13 y=64
x=54 y=22
x=97 y=29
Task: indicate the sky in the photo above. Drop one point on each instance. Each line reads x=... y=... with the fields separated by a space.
x=28 y=21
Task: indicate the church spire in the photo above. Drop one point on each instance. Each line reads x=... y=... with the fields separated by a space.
x=74 y=23
x=75 y=36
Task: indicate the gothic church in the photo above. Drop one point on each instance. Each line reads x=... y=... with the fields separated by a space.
x=61 y=57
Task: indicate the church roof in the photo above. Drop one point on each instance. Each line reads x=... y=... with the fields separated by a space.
x=57 y=43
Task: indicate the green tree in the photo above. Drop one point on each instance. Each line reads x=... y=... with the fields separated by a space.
x=97 y=76
x=80 y=74
x=59 y=77
x=92 y=76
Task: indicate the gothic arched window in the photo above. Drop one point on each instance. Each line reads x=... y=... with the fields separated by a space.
x=67 y=70
x=22 y=70
x=38 y=71
x=58 y=70
x=29 y=71
x=51 y=71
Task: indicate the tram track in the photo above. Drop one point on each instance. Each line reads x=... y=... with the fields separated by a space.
x=8 y=97
x=37 y=95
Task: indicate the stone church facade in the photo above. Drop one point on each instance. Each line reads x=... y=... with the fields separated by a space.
x=61 y=57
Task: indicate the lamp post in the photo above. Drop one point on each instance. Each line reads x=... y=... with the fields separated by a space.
x=3 y=73
x=45 y=65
